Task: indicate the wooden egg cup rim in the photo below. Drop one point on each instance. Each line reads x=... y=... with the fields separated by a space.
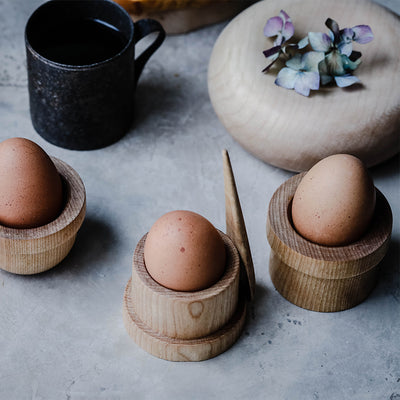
x=226 y=279
x=332 y=260
x=74 y=200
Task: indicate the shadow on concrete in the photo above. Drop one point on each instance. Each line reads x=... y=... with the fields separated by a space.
x=389 y=277
x=94 y=240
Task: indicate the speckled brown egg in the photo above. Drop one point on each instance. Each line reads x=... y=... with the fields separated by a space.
x=184 y=252
x=334 y=202
x=30 y=186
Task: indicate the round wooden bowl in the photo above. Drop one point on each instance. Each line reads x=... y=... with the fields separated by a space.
x=183 y=16
x=294 y=132
x=323 y=278
x=34 y=250
x=184 y=326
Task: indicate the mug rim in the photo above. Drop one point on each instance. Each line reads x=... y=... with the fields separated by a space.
x=83 y=66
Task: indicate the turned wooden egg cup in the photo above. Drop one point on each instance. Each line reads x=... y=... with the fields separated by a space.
x=323 y=278
x=194 y=326
x=34 y=250
x=184 y=326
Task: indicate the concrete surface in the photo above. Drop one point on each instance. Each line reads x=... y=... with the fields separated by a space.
x=61 y=332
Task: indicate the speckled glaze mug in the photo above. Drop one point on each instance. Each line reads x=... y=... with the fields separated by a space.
x=82 y=72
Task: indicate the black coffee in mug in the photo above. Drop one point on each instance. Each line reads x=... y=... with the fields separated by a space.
x=79 y=42
x=82 y=71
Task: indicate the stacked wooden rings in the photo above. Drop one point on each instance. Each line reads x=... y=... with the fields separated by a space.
x=184 y=326
x=323 y=278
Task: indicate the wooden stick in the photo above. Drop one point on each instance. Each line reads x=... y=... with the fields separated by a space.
x=235 y=226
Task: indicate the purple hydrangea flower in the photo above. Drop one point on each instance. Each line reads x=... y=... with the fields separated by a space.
x=340 y=39
x=332 y=58
x=301 y=73
x=340 y=59
x=280 y=26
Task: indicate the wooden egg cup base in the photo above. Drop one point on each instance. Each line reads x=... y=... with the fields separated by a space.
x=172 y=349
x=323 y=278
x=35 y=250
x=184 y=326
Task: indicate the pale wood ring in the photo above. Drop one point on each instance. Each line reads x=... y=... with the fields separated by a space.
x=172 y=349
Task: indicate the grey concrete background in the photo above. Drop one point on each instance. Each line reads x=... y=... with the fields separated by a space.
x=61 y=332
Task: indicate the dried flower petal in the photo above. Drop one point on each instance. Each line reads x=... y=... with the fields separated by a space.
x=284 y=15
x=311 y=60
x=362 y=34
x=346 y=80
x=273 y=26
x=286 y=78
x=334 y=63
x=350 y=65
x=303 y=43
x=301 y=73
x=355 y=55
x=334 y=28
x=305 y=82
x=345 y=45
x=280 y=26
x=296 y=62
x=320 y=41
x=288 y=30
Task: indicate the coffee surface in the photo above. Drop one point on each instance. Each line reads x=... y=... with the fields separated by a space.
x=79 y=42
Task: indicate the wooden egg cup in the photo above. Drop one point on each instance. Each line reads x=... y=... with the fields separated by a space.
x=323 y=278
x=34 y=250
x=194 y=326
x=184 y=326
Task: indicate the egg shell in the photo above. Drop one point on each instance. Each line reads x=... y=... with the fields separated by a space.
x=30 y=187
x=335 y=201
x=184 y=252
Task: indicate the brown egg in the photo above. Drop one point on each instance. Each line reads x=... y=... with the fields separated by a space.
x=335 y=201
x=30 y=186
x=184 y=252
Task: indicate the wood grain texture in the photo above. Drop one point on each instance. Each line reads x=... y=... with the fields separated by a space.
x=185 y=315
x=193 y=15
x=139 y=7
x=323 y=278
x=291 y=131
x=236 y=228
x=180 y=349
x=30 y=251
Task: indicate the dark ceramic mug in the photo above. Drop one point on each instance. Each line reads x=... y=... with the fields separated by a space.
x=82 y=71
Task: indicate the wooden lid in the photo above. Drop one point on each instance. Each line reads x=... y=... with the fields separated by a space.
x=236 y=228
x=291 y=131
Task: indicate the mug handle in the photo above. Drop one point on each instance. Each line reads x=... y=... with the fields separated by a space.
x=143 y=28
